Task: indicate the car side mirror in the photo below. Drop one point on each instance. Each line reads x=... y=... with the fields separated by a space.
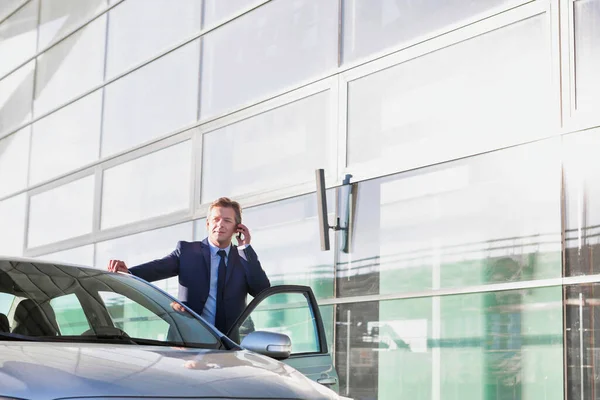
x=271 y=344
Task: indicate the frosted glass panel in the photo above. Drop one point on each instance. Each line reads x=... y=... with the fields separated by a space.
x=66 y=139
x=140 y=29
x=278 y=148
x=272 y=48
x=71 y=67
x=59 y=18
x=490 y=91
x=12 y=214
x=154 y=185
x=16 y=97
x=152 y=101
x=14 y=159
x=18 y=36
x=61 y=213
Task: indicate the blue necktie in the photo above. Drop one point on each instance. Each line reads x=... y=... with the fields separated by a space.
x=220 y=312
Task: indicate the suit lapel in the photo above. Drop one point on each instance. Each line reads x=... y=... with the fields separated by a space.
x=206 y=254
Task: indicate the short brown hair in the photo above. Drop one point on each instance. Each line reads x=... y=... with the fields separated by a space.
x=228 y=203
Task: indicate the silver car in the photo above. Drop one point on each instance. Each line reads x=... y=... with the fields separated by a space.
x=75 y=332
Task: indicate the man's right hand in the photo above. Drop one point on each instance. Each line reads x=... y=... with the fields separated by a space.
x=117 y=266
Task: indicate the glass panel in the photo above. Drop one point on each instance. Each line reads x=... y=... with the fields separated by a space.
x=83 y=255
x=216 y=11
x=300 y=132
x=582 y=335
x=150 y=186
x=587 y=54
x=66 y=139
x=59 y=18
x=12 y=215
x=371 y=26
x=144 y=247
x=411 y=116
x=71 y=67
x=9 y=6
x=18 y=35
x=134 y=318
x=296 y=40
x=6 y=301
x=153 y=101
x=140 y=29
x=471 y=222
x=481 y=346
x=61 y=213
x=14 y=158
x=70 y=316
x=287 y=313
x=16 y=97
x=285 y=236
x=582 y=200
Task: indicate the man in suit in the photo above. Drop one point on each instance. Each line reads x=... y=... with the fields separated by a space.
x=214 y=276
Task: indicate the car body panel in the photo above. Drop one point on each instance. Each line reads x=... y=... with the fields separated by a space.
x=47 y=370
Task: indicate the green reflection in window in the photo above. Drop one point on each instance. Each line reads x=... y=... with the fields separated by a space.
x=287 y=313
x=136 y=320
x=497 y=345
x=69 y=315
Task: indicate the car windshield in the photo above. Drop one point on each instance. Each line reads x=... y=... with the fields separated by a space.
x=47 y=301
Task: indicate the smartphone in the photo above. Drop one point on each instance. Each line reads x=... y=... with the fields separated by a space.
x=239 y=236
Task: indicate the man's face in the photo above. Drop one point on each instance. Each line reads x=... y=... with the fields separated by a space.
x=221 y=226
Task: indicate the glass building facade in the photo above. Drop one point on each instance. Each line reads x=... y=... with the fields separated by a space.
x=468 y=269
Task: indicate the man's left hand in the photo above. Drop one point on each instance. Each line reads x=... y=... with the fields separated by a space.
x=244 y=240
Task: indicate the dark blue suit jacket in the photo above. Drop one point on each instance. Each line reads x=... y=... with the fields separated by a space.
x=191 y=262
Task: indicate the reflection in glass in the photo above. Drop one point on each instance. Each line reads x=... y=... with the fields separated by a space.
x=481 y=94
x=582 y=338
x=143 y=247
x=480 y=346
x=12 y=214
x=59 y=18
x=471 y=222
x=16 y=98
x=374 y=25
x=140 y=29
x=582 y=200
x=587 y=54
x=289 y=314
x=71 y=67
x=66 y=139
x=14 y=158
x=300 y=132
x=275 y=46
x=153 y=185
x=61 y=213
x=18 y=37
x=285 y=236
x=83 y=255
x=152 y=101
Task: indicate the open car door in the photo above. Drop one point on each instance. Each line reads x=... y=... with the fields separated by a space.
x=292 y=311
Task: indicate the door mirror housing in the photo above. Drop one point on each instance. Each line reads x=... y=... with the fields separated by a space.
x=270 y=344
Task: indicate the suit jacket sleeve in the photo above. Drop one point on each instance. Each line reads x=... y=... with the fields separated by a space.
x=255 y=275
x=156 y=270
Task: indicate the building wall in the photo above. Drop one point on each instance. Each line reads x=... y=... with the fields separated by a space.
x=470 y=130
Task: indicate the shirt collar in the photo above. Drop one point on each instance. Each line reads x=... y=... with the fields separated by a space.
x=214 y=249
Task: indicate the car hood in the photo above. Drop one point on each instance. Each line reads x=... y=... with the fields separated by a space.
x=49 y=370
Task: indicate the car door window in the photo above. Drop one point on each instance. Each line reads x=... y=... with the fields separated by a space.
x=287 y=313
x=6 y=301
x=70 y=316
x=133 y=318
